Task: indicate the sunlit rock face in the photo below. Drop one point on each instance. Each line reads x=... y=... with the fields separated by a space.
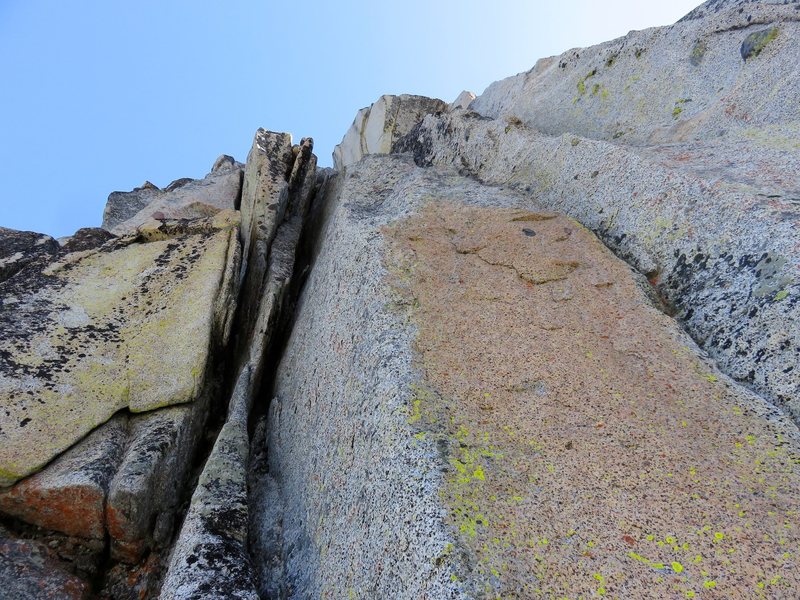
x=381 y=124
x=681 y=155
x=538 y=342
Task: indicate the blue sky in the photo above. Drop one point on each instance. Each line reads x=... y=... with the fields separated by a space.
x=99 y=95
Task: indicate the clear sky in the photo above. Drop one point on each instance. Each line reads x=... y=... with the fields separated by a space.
x=101 y=95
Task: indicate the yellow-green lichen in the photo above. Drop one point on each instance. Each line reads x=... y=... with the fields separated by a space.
x=755 y=43
x=582 y=82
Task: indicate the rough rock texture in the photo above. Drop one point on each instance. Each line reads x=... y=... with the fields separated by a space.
x=69 y=496
x=356 y=498
x=29 y=571
x=675 y=84
x=464 y=99
x=145 y=495
x=377 y=127
x=77 y=337
x=18 y=248
x=182 y=199
x=211 y=556
x=712 y=7
x=472 y=397
x=87 y=238
x=461 y=360
x=265 y=195
x=711 y=216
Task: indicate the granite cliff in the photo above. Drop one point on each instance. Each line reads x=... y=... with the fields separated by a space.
x=542 y=342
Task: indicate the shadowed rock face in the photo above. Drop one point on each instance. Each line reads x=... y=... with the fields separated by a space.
x=211 y=556
x=18 y=248
x=28 y=570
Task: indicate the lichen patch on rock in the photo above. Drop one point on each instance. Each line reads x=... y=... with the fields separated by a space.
x=125 y=326
x=591 y=449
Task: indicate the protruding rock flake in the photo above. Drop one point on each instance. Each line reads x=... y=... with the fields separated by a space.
x=377 y=127
x=463 y=101
x=543 y=342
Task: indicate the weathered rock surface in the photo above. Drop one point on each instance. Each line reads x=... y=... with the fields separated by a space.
x=210 y=558
x=710 y=216
x=211 y=555
x=18 y=248
x=357 y=505
x=265 y=195
x=675 y=84
x=724 y=256
x=377 y=127
x=478 y=398
x=712 y=7
x=182 y=199
x=147 y=490
x=69 y=495
x=87 y=238
x=77 y=336
x=463 y=101
x=29 y=571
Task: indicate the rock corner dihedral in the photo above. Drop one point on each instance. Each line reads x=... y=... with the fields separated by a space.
x=539 y=342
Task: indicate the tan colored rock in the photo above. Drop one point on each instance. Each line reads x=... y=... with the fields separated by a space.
x=125 y=326
x=720 y=243
x=479 y=400
x=592 y=447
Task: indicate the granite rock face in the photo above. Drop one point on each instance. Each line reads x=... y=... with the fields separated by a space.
x=706 y=207
x=116 y=490
x=381 y=124
x=670 y=85
x=463 y=101
x=18 y=248
x=69 y=496
x=357 y=506
x=724 y=256
x=181 y=199
x=459 y=366
x=712 y=7
x=461 y=358
x=211 y=556
x=77 y=335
